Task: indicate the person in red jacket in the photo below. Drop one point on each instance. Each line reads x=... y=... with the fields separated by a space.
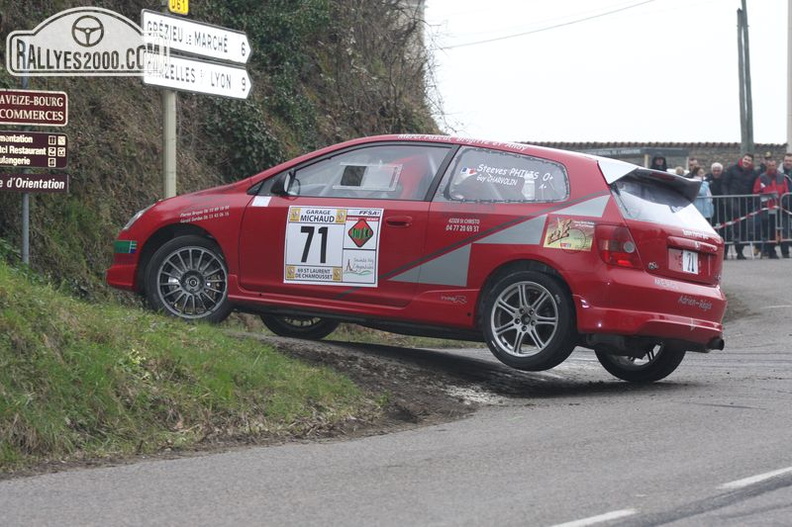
x=771 y=185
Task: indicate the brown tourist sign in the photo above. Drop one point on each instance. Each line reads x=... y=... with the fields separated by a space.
x=49 y=183
x=34 y=107
x=32 y=149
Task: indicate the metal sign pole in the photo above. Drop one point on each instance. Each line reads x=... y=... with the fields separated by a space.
x=25 y=209
x=168 y=137
x=169 y=142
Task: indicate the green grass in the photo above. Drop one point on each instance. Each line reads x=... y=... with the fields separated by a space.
x=87 y=381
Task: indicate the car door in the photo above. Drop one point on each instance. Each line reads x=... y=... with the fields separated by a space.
x=345 y=224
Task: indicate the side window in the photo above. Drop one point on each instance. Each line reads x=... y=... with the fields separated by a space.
x=481 y=174
x=401 y=172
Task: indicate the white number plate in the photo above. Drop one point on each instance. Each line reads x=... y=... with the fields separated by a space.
x=690 y=262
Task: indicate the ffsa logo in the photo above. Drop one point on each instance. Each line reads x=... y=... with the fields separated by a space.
x=82 y=41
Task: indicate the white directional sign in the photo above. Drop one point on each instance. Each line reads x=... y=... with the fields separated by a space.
x=196 y=38
x=193 y=75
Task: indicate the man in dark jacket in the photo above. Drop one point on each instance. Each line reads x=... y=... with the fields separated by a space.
x=738 y=181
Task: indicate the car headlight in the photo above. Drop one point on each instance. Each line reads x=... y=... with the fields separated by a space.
x=137 y=216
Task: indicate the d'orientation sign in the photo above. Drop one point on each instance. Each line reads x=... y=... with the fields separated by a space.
x=39 y=183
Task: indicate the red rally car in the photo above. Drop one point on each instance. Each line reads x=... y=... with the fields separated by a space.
x=533 y=250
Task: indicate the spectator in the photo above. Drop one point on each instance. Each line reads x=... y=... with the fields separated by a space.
x=692 y=163
x=659 y=163
x=786 y=168
x=763 y=165
x=722 y=206
x=738 y=182
x=704 y=200
x=679 y=171
x=770 y=185
x=715 y=179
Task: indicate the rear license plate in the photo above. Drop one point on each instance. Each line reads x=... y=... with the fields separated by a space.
x=683 y=261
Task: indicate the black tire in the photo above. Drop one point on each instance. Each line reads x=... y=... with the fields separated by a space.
x=310 y=328
x=187 y=278
x=529 y=321
x=658 y=363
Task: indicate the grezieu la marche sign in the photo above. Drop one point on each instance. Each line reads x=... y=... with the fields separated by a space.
x=196 y=38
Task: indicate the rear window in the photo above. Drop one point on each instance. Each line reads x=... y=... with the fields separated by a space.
x=654 y=202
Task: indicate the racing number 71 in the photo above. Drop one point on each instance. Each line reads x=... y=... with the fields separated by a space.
x=309 y=230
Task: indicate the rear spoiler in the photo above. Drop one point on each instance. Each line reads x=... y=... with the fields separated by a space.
x=613 y=169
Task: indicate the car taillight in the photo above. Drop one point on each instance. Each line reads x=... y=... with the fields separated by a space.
x=617 y=247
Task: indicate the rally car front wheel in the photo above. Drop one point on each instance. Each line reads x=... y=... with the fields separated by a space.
x=187 y=278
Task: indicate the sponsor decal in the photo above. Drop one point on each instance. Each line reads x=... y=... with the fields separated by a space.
x=454 y=299
x=360 y=232
x=667 y=284
x=332 y=246
x=207 y=213
x=261 y=201
x=468 y=225
x=125 y=247
x=704 y=305
x=359 y=266
x=569 y=234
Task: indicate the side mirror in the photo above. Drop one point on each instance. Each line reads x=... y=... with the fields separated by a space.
x=283 y=184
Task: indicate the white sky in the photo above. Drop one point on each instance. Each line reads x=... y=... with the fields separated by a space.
x=663 y=70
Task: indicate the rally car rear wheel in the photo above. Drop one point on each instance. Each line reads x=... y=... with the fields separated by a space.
x=312 y=328
x=529 y=321
x=658 y=363
x=187 y=278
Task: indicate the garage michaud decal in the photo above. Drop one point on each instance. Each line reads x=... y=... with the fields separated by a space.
x=332 y=246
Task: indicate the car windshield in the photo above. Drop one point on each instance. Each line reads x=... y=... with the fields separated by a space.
x=655 y=202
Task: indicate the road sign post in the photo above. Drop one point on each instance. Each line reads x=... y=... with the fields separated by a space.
x=183 y=66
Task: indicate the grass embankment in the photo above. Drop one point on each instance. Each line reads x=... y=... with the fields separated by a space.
x=82 y=381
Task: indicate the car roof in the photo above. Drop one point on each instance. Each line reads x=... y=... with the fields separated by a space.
x=612 y=169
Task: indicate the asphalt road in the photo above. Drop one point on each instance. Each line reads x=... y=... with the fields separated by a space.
x=711 y=445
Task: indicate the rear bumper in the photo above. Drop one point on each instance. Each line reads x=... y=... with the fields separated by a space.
x=635 y=303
